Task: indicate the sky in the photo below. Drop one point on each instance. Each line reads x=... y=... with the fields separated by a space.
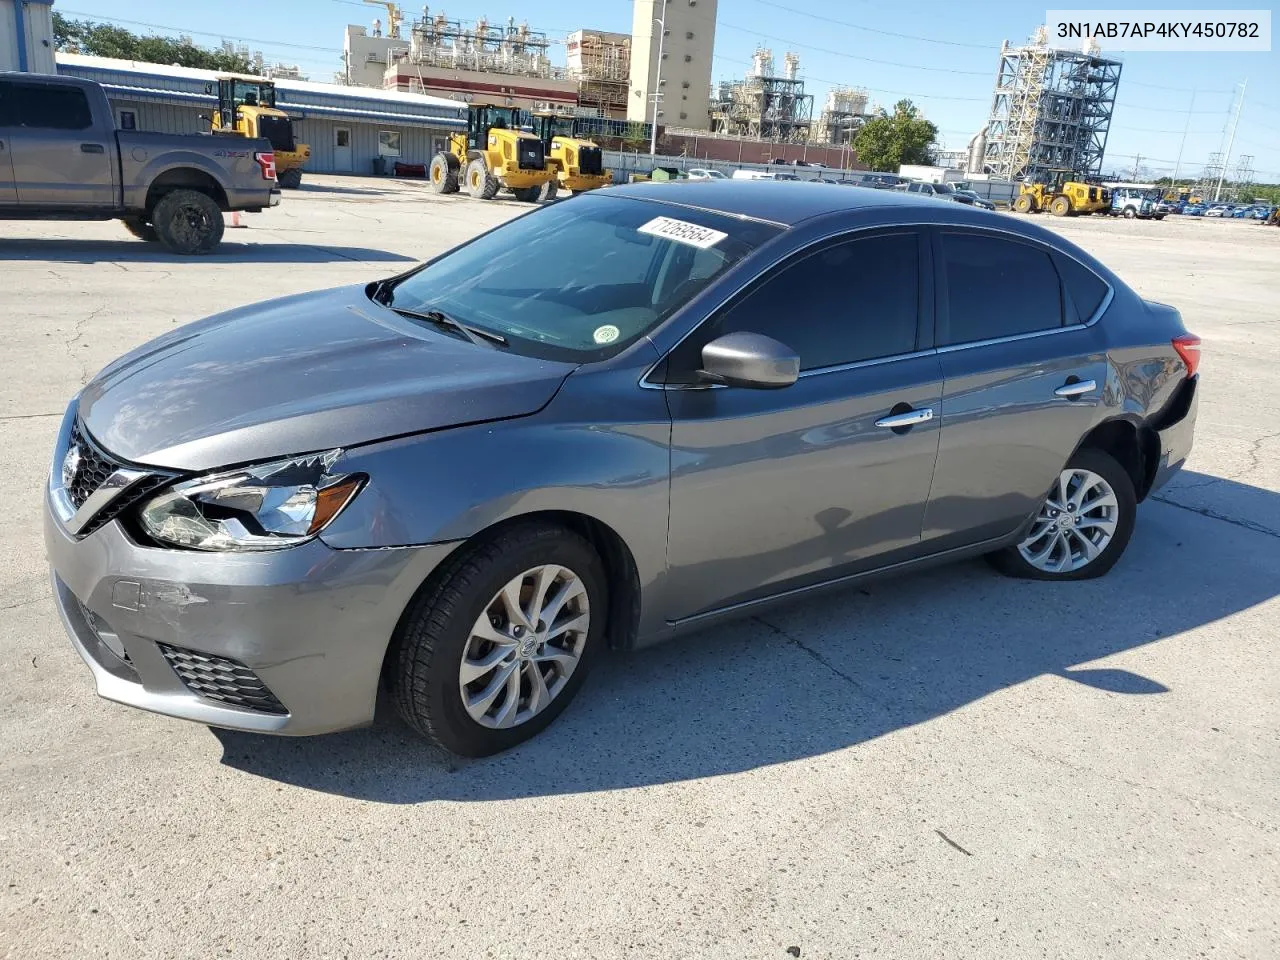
x=1172 y=112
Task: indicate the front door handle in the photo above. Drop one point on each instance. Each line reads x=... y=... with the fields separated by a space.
x=92 y=148
x=1075 y=389
x=909 y=418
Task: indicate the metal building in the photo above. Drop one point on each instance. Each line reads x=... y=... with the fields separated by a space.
x=765 y=106
x=346 y=127
x=1051 y=111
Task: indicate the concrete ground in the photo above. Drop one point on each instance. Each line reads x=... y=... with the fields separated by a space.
x=946 y=765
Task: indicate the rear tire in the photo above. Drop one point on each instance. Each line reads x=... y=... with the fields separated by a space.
x=290 y=179
x=443 y=173
x=140 y=229
x=188 y=222
x=442 y=628
x=1060 y=207
x=527 y=194
x=549 y=190
x=481 y=184
x=1107 y=508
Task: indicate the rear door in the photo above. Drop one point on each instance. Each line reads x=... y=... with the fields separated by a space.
x=1024 y=374
x=59 y=157
x=8 y=193
x=775 y=488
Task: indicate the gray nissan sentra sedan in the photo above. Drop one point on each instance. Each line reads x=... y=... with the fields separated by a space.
x=607 y=422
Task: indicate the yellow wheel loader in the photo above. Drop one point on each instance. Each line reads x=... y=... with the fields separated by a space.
x=578 y=163
x=493 y=153
x=247 y=108
x=1062 y=197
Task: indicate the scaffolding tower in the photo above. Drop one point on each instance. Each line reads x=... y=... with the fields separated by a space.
x=601 y=63
x=437 y=41
x=1207 y=184
x=1243 y=179
x=1051 y=111
x=764 y=106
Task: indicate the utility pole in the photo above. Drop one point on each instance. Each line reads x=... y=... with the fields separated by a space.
x=1217 y=191
x=1137 y=166
x=657 y=83
x=1182 y=146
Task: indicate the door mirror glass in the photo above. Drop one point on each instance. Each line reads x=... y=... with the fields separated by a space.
x=749 y=360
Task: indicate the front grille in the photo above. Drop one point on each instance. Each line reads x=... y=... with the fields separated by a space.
x=95 y=467
x=591 y=160
x=221 y=679
x=531 y=156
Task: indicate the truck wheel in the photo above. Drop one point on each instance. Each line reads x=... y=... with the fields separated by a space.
x=290 y=179
x=1130 y=213
x=188 y=221
x=1060 y=207
x=140 y=229
x=1022 y=204
x=443 y=173
x=527 y=194
x=481 y=184
x=549 y=190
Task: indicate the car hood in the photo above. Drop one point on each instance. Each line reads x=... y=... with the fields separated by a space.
x=309 y=372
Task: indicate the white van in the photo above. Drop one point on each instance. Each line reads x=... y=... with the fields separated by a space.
x=754 y=175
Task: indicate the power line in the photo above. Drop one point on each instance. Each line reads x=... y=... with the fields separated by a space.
x=851 y=56
x=863 y=27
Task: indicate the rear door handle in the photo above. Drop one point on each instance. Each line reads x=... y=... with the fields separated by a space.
x=1076 y=389
x=896 y=421
x=92 y=148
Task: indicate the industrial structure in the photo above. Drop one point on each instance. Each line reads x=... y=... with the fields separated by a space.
x=843 y=114
x=671 y=44
x=1050 y=112
x=766 y=106
x=601 y=64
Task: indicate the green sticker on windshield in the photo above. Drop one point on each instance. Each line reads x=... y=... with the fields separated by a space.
x=682 y=231
x=606 y=334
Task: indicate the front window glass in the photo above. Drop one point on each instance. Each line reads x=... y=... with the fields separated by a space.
x=581 y=279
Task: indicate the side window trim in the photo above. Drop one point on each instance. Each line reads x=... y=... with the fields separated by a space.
x=656 y=376
x=942 y=304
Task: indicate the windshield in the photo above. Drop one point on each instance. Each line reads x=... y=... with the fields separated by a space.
x=581 y=279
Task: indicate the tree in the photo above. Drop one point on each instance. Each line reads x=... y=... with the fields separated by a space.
x=104 y=40
x=887 y=141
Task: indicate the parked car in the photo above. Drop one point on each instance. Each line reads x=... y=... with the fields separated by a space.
x=1129 y=203
x=469 y=478
x=753 y=175
x=1218 y=210
x=64 y=159
x=971 y=199
x=698 y=173
x=1194 y=210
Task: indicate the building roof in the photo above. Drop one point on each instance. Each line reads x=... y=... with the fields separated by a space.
x=285 y=86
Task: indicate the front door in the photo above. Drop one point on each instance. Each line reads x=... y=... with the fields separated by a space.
x=342 y=150
x=59 y=158
x=8 y=193
x=1025 y=373
x=772 y=489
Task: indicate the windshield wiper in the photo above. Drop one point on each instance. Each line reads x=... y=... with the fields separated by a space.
x=442 y=319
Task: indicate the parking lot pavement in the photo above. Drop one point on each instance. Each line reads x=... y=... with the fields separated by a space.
x=946 y=765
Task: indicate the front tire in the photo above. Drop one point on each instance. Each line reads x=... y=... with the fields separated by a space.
x=1082 y=526
x=290 y=179
x=1129 y=213
x=549 y=190
x=481 y=184
x=443 y=174
x=188 y=222
x=495 y=646
x=1022 y=204
x=527 y=194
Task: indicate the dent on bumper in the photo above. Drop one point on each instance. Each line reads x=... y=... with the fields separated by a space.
x=312 y=622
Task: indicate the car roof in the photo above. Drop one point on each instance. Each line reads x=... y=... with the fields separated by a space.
x=778 y=201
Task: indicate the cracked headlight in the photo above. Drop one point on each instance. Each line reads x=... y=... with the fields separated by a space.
x=263 y=507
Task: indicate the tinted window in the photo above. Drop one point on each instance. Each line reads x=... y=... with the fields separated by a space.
x=855 y=300
x=997 y=288
x=44 y=106
x=1086 y=288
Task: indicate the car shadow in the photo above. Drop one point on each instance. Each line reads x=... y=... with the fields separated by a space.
x=229 y=251
x=824 y=674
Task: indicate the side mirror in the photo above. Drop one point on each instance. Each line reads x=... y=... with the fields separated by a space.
x=749 y=360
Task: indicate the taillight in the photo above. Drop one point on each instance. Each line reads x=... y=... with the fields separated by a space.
x=267 y=161
x=1188 y=347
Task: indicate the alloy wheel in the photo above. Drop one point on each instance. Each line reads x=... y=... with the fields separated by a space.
x=1076 y=523
x=524 y=646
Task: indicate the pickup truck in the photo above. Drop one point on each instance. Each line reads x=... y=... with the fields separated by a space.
x=62 y=158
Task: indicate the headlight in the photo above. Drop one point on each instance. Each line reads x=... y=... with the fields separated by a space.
x=265 y=507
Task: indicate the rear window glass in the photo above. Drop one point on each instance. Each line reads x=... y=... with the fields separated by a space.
x=44 y=106
x=1086 y=288
x=998 y=288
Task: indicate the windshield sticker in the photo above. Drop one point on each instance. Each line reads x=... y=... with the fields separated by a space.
x=606 y=334
x=681 y=231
